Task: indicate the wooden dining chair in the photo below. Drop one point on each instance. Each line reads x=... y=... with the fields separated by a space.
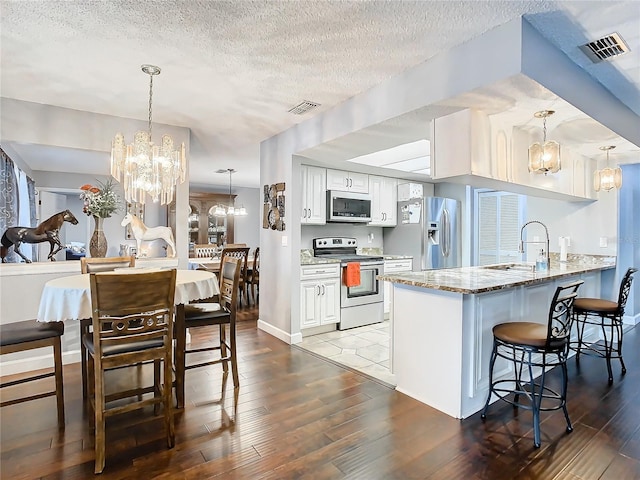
x=254 y=277
x=97 y=264
x=94 y=265
x=132 y=323
x=243 y=254
x=29 y=335
x=203 y=314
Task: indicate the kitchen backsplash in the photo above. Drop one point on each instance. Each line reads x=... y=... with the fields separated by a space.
x=360 y=232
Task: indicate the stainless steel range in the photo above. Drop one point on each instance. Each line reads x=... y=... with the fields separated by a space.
x=362 y=304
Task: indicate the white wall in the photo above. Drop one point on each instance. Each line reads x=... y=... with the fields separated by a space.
x=584 y=222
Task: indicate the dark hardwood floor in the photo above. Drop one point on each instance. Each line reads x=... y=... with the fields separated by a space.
x=299 y=416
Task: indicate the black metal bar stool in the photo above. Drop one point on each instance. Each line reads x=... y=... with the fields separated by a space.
x=536 y=346
x=608 y=316
x=27 y=335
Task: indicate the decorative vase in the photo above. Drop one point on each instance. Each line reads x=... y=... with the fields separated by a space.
x=98 y=243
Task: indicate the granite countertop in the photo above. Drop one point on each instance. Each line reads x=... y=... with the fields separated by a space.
x=473 y=280
x=397 y=257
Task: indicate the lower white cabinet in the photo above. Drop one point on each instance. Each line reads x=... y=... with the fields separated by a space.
x=394 y=266
x=319 y=295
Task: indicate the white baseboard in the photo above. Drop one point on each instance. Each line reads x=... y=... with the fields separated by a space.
x=22 y=365
x=280 y=334
x=631 y=319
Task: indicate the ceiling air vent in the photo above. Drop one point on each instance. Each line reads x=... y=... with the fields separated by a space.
x=605 y=48
x=303 y=107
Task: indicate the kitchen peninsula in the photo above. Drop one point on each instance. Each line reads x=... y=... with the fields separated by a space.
x=443 y=319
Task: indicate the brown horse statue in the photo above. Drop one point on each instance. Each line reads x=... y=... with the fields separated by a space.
x=47 y=231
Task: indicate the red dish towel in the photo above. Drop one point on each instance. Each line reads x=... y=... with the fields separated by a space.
x=352 y=274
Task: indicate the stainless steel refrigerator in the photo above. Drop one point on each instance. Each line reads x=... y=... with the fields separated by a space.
x=429 y=230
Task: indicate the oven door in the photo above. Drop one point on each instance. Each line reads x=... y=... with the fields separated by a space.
x=370 y=288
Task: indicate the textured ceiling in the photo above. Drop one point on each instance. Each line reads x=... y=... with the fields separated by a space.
x=232 y=69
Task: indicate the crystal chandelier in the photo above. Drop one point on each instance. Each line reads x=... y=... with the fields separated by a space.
x=545 y=157
x=219 y=210
x=145 y=168
x=607 y=178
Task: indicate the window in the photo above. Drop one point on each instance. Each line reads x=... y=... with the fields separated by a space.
x=498 y=220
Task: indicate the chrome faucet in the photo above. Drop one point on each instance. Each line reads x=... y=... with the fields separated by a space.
x=546 y=232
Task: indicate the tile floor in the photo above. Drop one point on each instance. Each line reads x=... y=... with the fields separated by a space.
x=364 y=348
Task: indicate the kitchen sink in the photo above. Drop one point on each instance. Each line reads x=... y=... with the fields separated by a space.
x=521 y=267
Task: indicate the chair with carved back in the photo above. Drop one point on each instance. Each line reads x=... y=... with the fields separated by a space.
x=132 y=324
x=94 y=265
x=206 y=250
x=243 y=254
x=254 y=277
x=207 y=313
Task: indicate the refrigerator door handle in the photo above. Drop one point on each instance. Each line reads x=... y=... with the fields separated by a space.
x=446 y=233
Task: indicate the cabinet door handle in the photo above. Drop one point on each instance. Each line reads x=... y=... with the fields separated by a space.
x=318 y=289
x=309 y=216
x=351 y=182
x=304 y=213
x=322 y=289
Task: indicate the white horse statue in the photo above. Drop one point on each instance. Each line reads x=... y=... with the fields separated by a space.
x=142 y=232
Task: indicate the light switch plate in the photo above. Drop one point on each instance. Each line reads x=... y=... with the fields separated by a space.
x=603 y=242
x=285 y=241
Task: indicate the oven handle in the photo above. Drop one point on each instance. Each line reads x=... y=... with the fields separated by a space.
x=366 y=264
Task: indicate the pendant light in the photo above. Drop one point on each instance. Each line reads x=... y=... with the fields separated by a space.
x=144 y=167
x=607 y=178
x=545 y=157
x=220 y=211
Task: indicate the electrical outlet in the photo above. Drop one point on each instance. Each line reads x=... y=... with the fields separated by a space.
x=284 y=240
x=603 y=242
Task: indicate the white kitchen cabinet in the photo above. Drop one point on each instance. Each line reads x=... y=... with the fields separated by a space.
x=347 y=181
x=384 y=201
x=314 y=195
x=319 y=295
x=394 y=266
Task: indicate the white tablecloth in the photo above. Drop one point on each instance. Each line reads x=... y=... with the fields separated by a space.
x=69 y=298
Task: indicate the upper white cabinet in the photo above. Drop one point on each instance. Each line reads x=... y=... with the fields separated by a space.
x=347 y=181
x=314 y=195
x=487 y=151
x=384 y=199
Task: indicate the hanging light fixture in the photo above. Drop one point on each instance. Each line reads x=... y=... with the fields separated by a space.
x=219 y=210
x=607 y=178
x=145 y=168
x=545 y=157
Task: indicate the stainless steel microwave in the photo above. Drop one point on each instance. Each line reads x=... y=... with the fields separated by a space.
x=348 y=207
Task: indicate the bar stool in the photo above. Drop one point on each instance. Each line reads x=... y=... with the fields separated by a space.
x=27 y=335
x=536 y=346
x=608 y=316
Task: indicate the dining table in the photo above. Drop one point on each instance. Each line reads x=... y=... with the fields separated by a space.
x=69 y=298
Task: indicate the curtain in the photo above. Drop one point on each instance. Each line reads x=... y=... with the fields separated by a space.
x=8 y=199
